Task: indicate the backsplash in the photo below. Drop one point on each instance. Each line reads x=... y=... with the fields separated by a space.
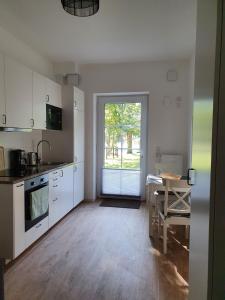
x=19 y=140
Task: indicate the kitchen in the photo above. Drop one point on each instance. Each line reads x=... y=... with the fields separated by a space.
x=48 y=190
x=92 y=99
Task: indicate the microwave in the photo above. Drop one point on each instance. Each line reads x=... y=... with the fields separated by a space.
x=53 y=117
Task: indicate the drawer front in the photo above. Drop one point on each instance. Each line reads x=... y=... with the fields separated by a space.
x=54 y=174
x=36 y=231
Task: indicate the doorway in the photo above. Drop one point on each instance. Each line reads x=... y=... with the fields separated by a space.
x=121 y=145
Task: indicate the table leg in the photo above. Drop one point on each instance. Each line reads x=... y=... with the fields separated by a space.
x=2 y=268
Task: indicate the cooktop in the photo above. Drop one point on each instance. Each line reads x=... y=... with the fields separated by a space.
x=19 y=172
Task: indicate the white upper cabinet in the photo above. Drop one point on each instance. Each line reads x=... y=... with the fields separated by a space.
x=78 y=99
x=53 y=93
x=18 y=84
x=39 y=101
x=2 y=92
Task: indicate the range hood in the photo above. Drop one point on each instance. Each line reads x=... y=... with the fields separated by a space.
x=15 y=129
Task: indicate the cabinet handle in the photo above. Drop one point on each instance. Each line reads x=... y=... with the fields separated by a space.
x=55 y=179
x=55 y=185
x=47 y=98
x=32 y=123
x=55 y=173
x=75 y=104
x=61 y=173
x=19 y=185
x=37 y=226
x=4 y=119
x=55 y=199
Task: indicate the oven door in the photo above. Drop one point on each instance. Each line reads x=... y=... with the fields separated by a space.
x=36 y=205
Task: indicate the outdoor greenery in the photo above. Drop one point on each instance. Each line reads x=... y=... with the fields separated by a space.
x=122 y=131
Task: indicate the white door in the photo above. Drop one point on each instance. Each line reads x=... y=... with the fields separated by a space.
x=2 y=92
x=18 y=80
x=78 y=183
x=121 y=145
x=39 y=101
x=78 y=136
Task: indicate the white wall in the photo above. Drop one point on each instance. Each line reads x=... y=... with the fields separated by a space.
x=19 y=140
x=190 y=108
x=15 y=48
x=168 y=123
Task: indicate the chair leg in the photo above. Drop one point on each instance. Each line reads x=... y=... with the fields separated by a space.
x=159 y=225
x=186 y=232
x=150 y=221
x=165 y=238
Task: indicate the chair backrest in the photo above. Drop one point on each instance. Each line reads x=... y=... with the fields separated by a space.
x=177 y=197
x=172 y=163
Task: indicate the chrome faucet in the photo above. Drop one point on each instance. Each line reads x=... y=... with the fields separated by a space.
x=42 y=141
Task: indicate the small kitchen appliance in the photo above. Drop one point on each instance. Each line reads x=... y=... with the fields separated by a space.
x=32 y=158
x=18 y=159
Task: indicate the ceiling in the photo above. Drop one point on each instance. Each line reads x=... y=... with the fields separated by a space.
x=122 y=30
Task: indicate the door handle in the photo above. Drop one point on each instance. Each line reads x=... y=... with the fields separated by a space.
x=19 y=185
x=191 y=176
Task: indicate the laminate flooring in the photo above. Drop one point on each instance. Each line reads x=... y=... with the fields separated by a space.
x=101 y=253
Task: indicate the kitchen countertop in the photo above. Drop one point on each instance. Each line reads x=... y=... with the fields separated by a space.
x=32 y=172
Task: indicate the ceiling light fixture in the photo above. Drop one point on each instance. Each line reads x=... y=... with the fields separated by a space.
x=81 y=8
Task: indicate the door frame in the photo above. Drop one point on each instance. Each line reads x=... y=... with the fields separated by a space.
x=101 y=99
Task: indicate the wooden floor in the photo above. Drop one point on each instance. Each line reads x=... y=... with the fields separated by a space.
x=99 y=253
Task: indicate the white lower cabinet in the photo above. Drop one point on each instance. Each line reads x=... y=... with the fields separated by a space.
x=78 y=183
x=60 y=194
x=36 y=231
x=13 y=237
x=67 y=189
x=18 y=218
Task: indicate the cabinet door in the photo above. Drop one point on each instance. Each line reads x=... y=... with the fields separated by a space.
x=78 y=136
x=78 y=183
x=66 y=193
x=19 y=218
x=18 y=80
x=39 y=101
x=78 y=99
x=53 y=93
x=2 y=92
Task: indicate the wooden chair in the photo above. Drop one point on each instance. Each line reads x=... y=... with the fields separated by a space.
x=174 y=208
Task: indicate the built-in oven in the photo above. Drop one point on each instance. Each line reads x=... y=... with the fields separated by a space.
x=36 y=200
x=53 y=117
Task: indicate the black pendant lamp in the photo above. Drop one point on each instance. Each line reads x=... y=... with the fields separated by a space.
x=81 y=8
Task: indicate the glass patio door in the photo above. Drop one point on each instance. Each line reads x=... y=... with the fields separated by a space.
x=121 y=145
